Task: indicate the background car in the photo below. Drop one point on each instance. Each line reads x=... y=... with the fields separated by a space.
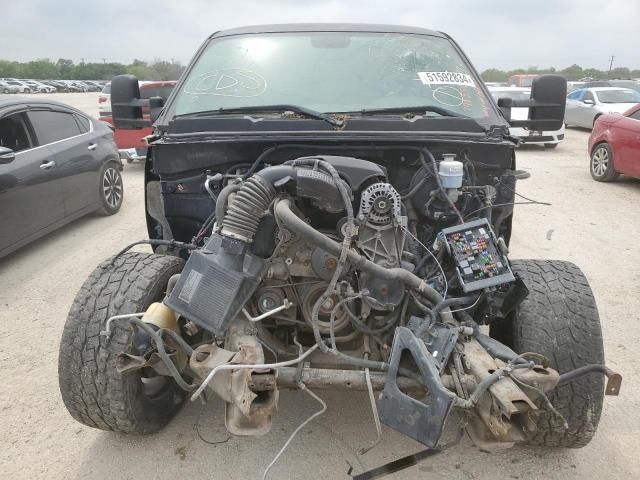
x=8 y=88
x=23 y=87
x=59 y=86
x=38 y=87
x=522 y=80
x=614 y=145
x=573 y=86
x=104 y=101
x=131 y=143
x=549 y=139
x=56 y=164
x=93 y=86
x=632 y=84
x=73 y=86
x=584 y=106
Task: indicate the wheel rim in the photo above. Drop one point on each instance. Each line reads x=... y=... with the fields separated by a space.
x=600 y=161
x=112 y=187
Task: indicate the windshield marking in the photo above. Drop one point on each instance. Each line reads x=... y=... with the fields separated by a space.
x=449 y=96
x=231 y=82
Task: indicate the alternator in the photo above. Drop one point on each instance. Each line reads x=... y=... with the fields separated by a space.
x=379 y=204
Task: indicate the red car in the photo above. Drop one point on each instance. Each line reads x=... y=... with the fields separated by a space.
x=131 y=142
x=614 y=145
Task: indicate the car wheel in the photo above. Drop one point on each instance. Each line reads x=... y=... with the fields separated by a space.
x=6 y=90
x=551 y=145
x=601 y=165
x=27 y=90
x=111 y=189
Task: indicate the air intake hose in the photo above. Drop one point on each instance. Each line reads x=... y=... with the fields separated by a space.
x=251 y=202
x=218 y=280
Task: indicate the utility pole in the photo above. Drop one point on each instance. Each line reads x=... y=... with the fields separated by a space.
x=104 y=60
x=610 y=66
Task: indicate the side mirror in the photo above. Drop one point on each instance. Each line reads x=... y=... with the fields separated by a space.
x=126 y=104
x=546 y=105
x=155 y=107
x=588 y=101
x=6 y=155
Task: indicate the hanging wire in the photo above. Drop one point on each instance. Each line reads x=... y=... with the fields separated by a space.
x=323 y=409
x=470 y=306
x=444 y=277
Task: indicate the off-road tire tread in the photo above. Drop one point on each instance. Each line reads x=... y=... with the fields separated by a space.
x=92 y=390
x=560 y=320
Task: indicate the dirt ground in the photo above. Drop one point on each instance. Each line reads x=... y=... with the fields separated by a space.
x=592 y=224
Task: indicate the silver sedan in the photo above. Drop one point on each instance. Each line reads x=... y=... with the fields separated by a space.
x=6 y=87
x=584 y=106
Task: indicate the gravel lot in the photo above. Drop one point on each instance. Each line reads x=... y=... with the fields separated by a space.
x=592 y=224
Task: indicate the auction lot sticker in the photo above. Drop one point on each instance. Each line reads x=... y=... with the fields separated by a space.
x=446 y=78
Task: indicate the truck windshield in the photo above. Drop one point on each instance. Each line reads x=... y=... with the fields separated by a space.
x=333 y=72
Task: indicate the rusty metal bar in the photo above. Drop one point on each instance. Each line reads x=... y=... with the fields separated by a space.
x=327 y=379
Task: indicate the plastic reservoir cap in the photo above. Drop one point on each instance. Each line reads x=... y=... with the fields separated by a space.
x=451 y=171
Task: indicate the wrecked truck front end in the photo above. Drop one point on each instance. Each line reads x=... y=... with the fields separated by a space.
x=347 y=228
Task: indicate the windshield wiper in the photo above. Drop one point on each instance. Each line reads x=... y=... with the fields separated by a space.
x=411 y=109
x=304 y=111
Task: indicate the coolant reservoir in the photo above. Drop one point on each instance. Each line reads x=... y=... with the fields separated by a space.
x=451 y=171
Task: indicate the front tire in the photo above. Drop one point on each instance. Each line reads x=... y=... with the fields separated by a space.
x=93 y=391
x=601 y=164
x=111 y=189
x=559 y=319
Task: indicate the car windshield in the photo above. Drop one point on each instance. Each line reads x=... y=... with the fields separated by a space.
x=618 y=96
x=333 y=72
x=514 y=95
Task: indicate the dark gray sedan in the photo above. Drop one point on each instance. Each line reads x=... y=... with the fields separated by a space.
x=56 y=165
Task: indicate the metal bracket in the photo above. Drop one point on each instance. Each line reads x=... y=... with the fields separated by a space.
x=421 y=421
x=614 y=379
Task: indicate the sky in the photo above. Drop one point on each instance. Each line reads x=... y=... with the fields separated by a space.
x=493 y=33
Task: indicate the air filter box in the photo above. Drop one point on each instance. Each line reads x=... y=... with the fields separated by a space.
x=216 y=283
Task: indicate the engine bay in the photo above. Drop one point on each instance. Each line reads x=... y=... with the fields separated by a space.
x=328 y=251
x=306 y=270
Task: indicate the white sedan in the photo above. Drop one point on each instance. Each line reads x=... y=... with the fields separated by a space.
x=549 y=139
x=586 y=105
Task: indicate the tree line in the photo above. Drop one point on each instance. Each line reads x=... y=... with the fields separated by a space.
x=572 y=73
x=65 y=69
